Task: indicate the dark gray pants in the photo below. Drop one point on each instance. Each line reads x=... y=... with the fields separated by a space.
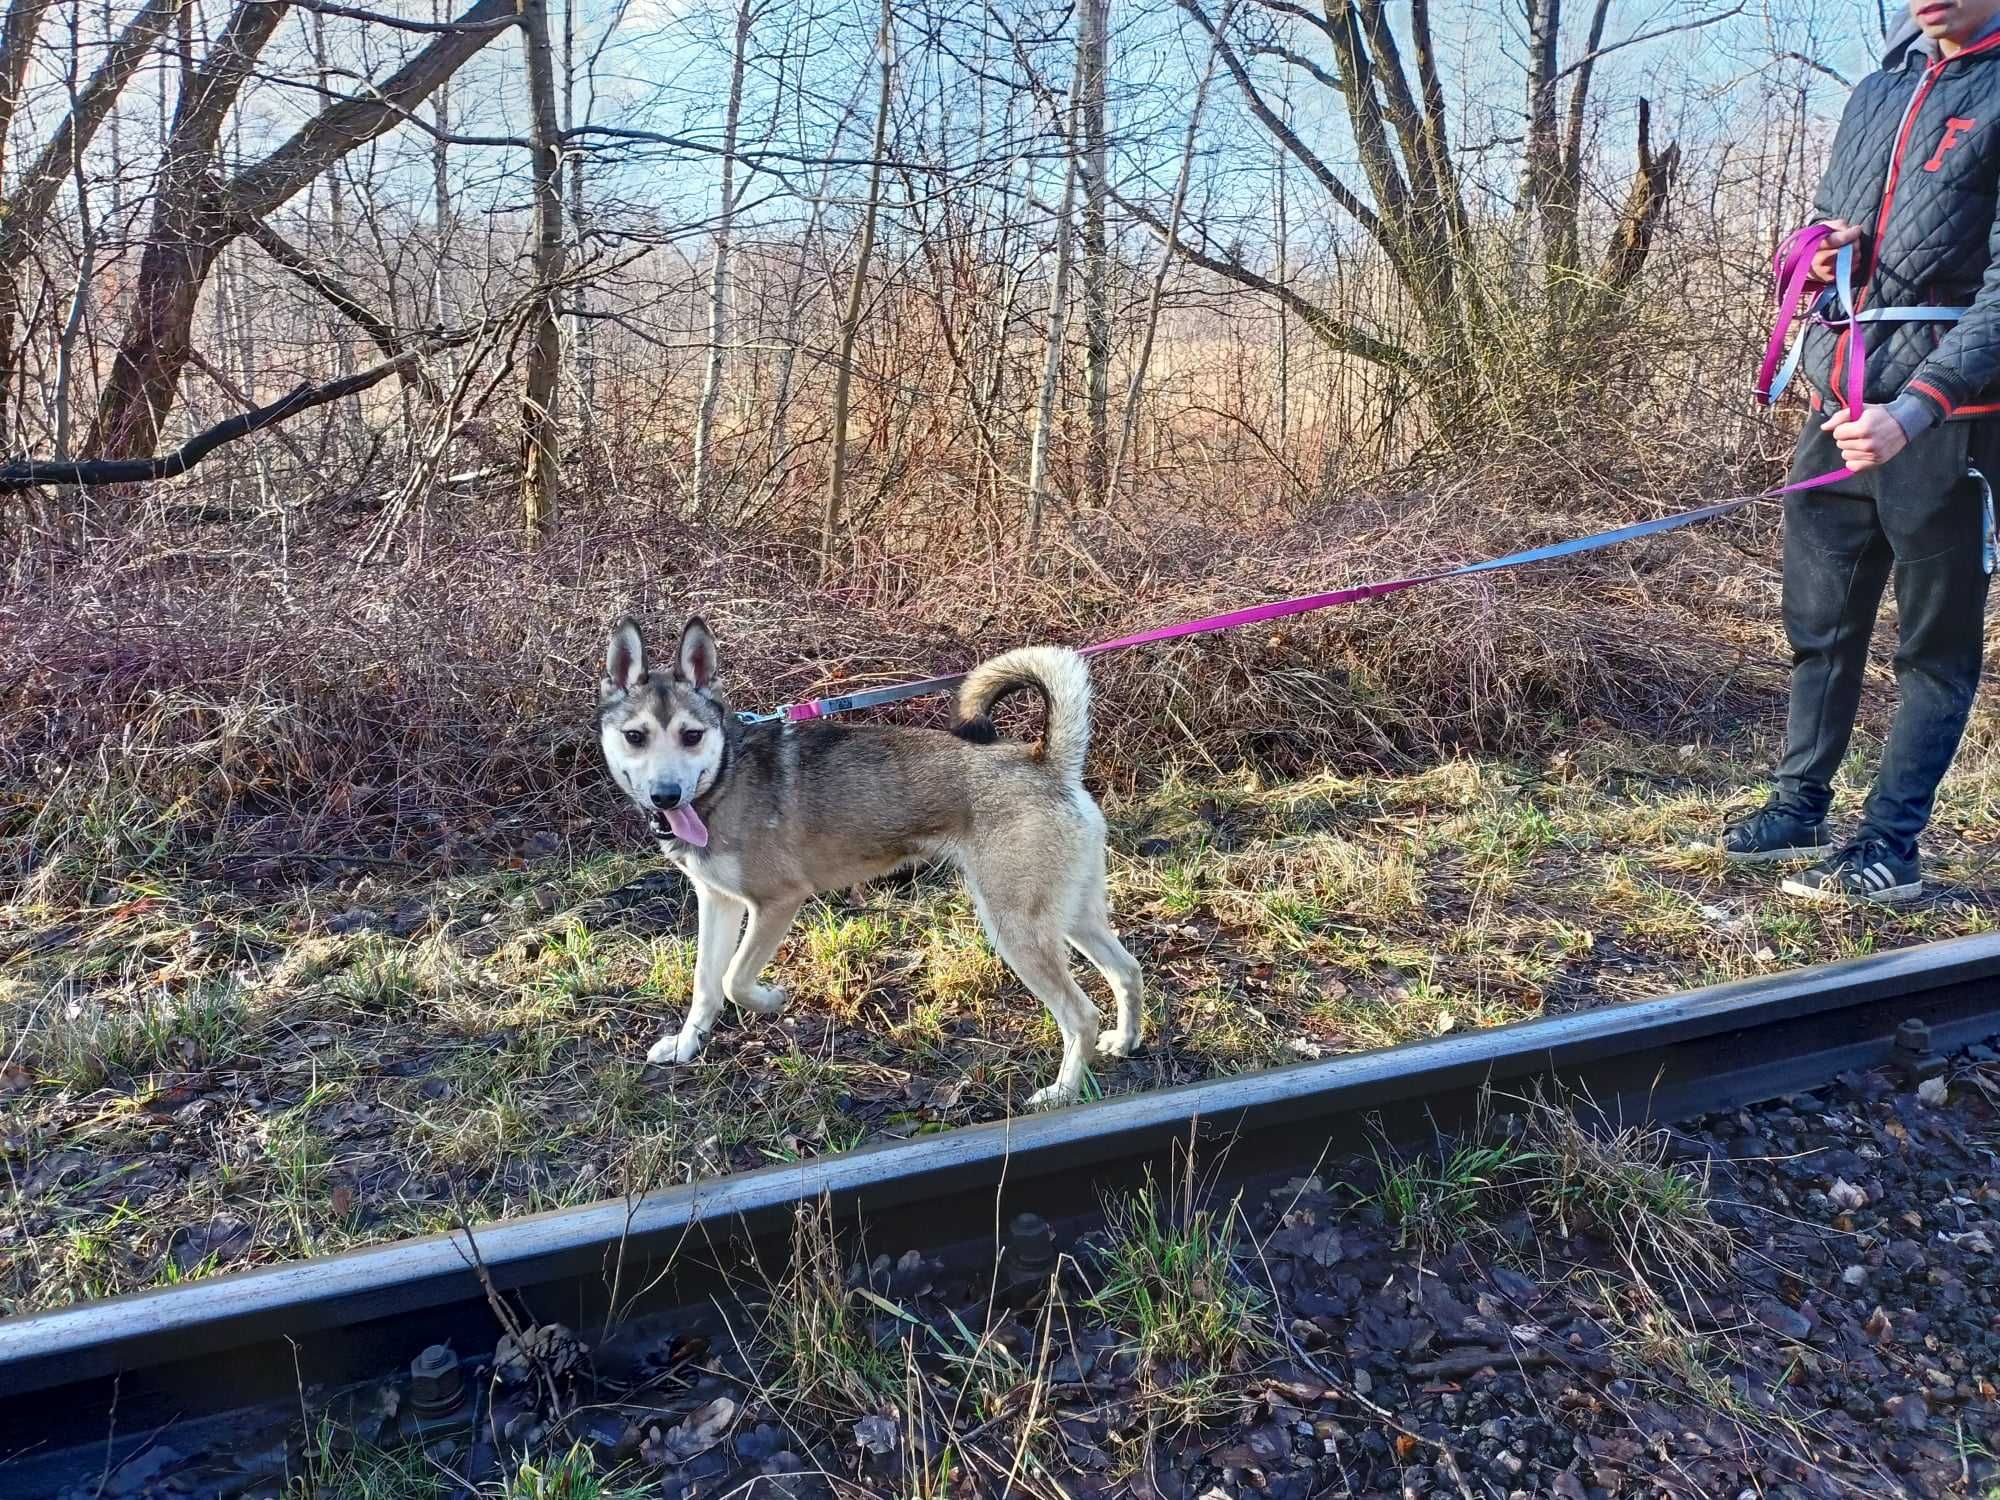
x=1922 y=517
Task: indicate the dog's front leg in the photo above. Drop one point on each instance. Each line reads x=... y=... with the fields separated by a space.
x=768 y=924
x=718 y=925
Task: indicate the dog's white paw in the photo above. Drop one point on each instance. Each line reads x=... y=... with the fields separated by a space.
x=676 y=1047
x=1117 y=1044
x=764 y=999
x=1055 y=1096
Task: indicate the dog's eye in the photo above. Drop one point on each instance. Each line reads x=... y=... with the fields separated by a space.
x=691 y=737
x=635 y=737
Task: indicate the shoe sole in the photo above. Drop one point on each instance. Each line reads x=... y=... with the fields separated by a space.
x=1773 y=856
x=1887 y=896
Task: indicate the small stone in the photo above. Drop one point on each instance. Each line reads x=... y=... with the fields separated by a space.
x=1363 y=1382
x=1783 y=1320
x=1855 y=1276
x=1912 y=1410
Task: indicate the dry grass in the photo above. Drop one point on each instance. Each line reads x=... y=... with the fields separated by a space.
x=212 y=1075
x=318 y=918
x=283 y=718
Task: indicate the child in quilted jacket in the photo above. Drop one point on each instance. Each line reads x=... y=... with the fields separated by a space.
x=1912 y=185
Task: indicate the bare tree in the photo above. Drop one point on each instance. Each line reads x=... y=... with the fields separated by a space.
x=1412 y=197
x=718 y=285
x=25 y=213
x=1093 y=62
x=833 y=516
x=1052 y=348
x=541 y=471
x=196 y=213
x=1165 y=265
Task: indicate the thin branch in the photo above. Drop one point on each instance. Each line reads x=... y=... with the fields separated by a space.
x=1818 y=67
x=1298 y=60
x=340 y=297
x=375 y=17
x=93 y=472
x=1296 y=12
x=1324 y=175
x=1343 y=337
x=1699 y=23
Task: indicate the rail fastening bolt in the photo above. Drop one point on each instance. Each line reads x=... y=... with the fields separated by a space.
x=1913 y=1052
x=436 y=1383
x=1031 y=1244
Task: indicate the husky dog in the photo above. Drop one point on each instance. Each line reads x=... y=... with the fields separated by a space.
x=762 y=817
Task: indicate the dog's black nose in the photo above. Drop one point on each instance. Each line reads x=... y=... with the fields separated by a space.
x=667 y=798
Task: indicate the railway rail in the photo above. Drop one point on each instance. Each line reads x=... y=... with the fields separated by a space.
x=83 y=1386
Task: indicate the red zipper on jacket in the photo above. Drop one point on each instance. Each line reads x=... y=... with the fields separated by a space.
x=1932 y=72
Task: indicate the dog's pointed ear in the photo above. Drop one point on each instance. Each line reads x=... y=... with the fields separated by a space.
x=625 y=657
x=696 y=665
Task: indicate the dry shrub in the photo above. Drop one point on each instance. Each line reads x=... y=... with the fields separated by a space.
x=307 y=712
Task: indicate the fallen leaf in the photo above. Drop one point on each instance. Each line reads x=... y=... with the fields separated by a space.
x=877 y=1434
x=1934 y=1092
x=1846 y=1195
x=1878 y=1326
x=1405 y=1445
x=701 y=1430
x=551 y=1348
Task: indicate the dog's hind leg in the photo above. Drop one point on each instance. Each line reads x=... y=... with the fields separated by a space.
x=1092 y=936
x=1029 y=945
x=768 y=926
x=719 y=924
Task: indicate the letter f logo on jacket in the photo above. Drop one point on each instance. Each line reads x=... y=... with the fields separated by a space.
x=1955 y=130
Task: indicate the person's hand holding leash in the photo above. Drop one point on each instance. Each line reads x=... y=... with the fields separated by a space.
x=1869 y=442
x=1829 y=249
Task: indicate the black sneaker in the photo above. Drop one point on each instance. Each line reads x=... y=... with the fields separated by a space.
x=1864 y=870
x=1774 y=833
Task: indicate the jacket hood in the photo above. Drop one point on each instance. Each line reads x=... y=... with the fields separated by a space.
x=1896 y=46
x=1906 y=37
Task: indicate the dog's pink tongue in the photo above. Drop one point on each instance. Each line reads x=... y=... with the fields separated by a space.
x=688 y=826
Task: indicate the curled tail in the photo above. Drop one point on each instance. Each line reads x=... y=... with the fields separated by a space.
x=1060 y=676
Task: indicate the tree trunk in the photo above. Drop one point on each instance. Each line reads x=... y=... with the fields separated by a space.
x=446 y=310
x=541 y=473
x=194 y=217
x=1052 y=357
x=26 y=209
x=86 y=259
x=718 y=283
x=1093 y=74
x=1136 y=387
x=833 y=516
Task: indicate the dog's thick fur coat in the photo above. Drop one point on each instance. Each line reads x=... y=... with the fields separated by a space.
x=762 y=817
